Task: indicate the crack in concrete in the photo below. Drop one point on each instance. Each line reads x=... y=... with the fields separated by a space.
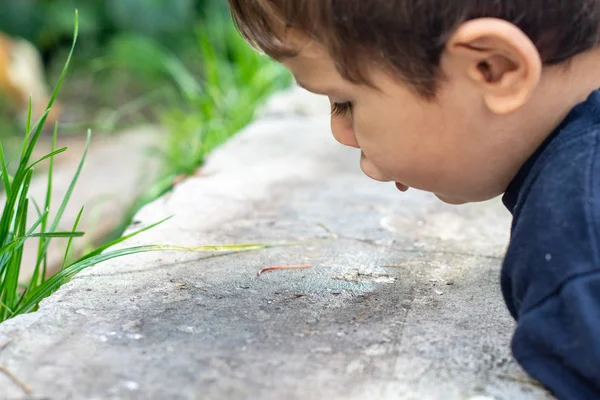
x=22 y=385
x=4 y=346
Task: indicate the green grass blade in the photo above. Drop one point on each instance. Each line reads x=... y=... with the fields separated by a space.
x=8 y=311
x=69 y=192
x=31 y=300
x=21 y=240
x=13 y=222
x=219 y=248
x=100 y=249
x=38 y=210
x=43 y=217
x=57 y=87
x=4 y=172
x=49 y=155
x=50 y=173
x=27 y=127
x=7 y=215
x=10 y=280
x=71 y=239
x=65 y=200
x=42 y=249
x=73 y=234
x=183 y=78
x=7 y=248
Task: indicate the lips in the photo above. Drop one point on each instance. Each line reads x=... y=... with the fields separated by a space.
x=401 y=187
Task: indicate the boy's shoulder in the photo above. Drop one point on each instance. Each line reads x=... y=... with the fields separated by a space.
x=555 y=202
x=564 y=167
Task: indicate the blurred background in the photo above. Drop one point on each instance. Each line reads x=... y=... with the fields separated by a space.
x=140 y=61
x=160 y=83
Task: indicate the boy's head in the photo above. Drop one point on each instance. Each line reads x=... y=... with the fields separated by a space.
x=446 y=96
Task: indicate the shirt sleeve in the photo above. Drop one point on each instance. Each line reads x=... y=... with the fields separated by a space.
x=558 y=342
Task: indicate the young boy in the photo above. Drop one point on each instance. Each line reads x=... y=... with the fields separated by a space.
x=472 y=99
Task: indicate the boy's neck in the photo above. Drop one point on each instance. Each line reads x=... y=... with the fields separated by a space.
x=569 y=84
x=561 y=88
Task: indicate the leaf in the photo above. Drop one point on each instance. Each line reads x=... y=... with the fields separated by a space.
x=32 y=298
x=4 y=172
x=100 y=249
x=49 y=155
x=66 y=199
x=71 y=239
x=58 y=235
x=69 y=192
x=27 y=126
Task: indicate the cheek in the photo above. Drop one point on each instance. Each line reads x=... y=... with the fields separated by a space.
x=405 y=145
x=370 y=170
x=384 y=137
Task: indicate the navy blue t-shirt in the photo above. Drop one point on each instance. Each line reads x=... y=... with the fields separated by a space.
x=551 y=273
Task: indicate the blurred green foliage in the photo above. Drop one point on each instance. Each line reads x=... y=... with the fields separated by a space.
x=178 y=63
x=207 y=105
x=49 y=23
x=116 y=72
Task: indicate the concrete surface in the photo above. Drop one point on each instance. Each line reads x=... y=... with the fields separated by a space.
x=402 y=300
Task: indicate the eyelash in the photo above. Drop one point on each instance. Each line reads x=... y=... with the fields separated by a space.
x=341 y=109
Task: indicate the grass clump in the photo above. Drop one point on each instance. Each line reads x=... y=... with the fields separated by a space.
x=15 y=229
x=236 y=80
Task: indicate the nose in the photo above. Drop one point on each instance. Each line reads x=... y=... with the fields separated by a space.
x=344 y=135
x=343 y=132
x=370 y=170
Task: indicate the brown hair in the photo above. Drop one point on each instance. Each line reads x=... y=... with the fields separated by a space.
x=408 y=36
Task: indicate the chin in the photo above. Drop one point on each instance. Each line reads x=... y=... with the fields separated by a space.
x=451 y=200
x=455 y=200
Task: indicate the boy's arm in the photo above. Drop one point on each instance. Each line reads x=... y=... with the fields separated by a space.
x=558 y=342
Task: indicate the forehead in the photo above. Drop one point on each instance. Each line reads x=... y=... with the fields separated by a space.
x=304 y=46
x=311 y=62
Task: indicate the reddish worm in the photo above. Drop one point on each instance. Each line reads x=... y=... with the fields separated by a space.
x=278 y=267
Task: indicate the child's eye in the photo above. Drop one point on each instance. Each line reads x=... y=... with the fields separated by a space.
x=341 y=109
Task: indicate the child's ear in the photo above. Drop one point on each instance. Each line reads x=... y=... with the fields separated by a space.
x=498 y=58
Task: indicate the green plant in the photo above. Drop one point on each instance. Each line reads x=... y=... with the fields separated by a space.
x=15 y=231
x=236 y=80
